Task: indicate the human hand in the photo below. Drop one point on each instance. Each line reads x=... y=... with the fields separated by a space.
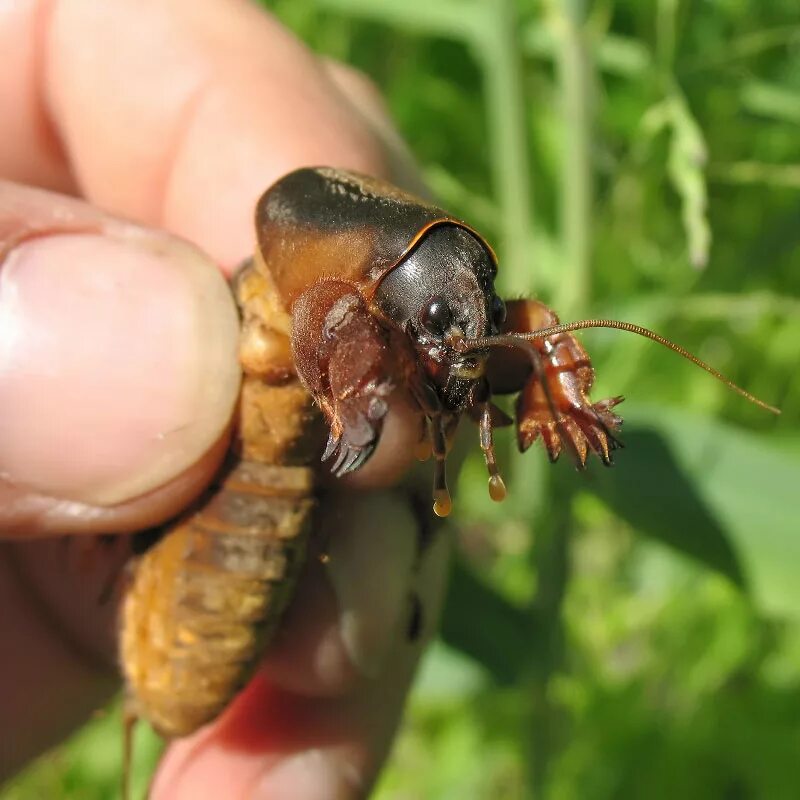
x=118 y=375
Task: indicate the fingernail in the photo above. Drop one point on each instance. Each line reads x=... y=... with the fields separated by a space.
x=312 y=775
x=372 y=554
x=118 y=364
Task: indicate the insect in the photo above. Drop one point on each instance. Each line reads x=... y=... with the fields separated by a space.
x=357 y=291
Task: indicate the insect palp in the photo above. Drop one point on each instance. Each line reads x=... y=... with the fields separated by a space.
x=442 y=502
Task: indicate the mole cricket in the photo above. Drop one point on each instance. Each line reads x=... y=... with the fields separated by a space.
x=357 y=291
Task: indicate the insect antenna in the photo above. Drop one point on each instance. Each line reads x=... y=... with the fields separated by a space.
x=525 y=340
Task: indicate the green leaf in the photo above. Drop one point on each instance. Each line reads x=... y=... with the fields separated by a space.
x=722 y=495
x=89 y=765
x=483 y=625
x=448 y=677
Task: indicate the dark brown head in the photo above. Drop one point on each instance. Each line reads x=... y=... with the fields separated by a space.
x=440 y=294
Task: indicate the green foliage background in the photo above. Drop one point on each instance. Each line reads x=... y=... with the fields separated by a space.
x=632 y=632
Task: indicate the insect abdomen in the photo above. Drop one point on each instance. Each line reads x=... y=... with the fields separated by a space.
x=205 y=600
x=213 y=590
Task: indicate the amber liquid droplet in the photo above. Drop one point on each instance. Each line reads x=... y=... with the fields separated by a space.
x=497 y=489
x=442 y=504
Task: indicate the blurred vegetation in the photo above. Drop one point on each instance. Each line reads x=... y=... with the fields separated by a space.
x=629 y=632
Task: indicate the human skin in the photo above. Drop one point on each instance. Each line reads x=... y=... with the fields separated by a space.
x=118 y=376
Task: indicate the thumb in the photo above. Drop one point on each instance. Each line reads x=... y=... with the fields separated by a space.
x=118 y=369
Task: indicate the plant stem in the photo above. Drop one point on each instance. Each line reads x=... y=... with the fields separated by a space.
x=498 y=44
x=551 y=552
x=666 y=27
x=575 y=83
x=551 y=559
x=450 y=18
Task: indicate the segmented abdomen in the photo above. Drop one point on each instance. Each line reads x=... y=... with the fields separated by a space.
x=210 y=593
x=207 y=597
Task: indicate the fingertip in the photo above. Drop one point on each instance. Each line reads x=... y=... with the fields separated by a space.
x=353 y=605
x=118 y=356
x=222 y=102
x=396 y=450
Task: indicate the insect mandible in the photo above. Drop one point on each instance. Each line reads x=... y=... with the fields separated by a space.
x=357 y=291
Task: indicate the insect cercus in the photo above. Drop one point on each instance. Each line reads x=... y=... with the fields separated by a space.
x=357 y=290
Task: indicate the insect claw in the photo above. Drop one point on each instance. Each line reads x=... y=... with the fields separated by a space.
x=609 y=402
x=344 y=452
x=574 y=439
x=363 y=456
x=552 y=443
x=598 y=437
x=580 y=461
x=349 y=463
x=330 y=447
x=605 y=457
x=526 y=437
x=614 y=443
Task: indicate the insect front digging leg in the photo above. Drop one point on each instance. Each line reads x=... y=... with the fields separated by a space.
x=578 y=424
x=351 y=364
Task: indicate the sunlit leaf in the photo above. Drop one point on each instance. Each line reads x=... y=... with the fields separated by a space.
x=480 y=623
x=722 y=495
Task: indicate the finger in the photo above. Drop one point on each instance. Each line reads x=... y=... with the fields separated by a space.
x=30 y=147
x=220 y=103
x=354 y=600
x=365 y=99
x=222 y=96
x=276 y=741
x=118 y=365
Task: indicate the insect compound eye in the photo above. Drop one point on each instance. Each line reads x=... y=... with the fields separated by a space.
x=497 y=311
x=436 y=317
